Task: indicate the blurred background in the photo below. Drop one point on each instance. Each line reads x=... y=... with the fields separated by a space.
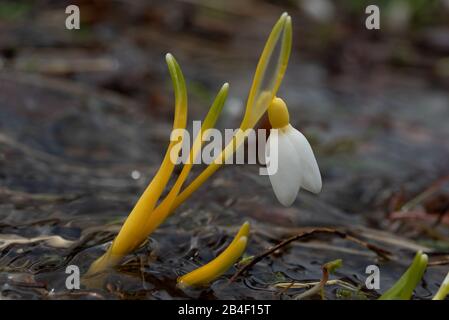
x=85 y=117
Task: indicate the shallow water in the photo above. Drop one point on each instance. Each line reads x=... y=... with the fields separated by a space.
x=69 y=174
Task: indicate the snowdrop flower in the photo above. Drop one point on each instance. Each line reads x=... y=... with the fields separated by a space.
x=296 y=165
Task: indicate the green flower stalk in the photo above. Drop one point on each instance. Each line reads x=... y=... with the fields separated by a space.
x=130 y=235
x=147 y=215
x=403 y=288
x=266 y=82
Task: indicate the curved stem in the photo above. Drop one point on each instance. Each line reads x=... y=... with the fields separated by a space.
x=165 y=207
x=258 y=100
x=133 y=231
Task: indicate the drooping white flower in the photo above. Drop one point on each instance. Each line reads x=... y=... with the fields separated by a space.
x=295 y=164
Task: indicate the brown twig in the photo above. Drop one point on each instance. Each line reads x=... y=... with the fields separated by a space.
x=379 y=251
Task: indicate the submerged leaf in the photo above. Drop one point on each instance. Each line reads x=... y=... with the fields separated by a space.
x=53 y=241
x=220 y=264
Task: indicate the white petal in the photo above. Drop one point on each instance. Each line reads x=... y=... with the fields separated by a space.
x=310 y=173
x=286 y=176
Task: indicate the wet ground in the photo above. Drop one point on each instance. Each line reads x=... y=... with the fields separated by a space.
x=85 y=119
